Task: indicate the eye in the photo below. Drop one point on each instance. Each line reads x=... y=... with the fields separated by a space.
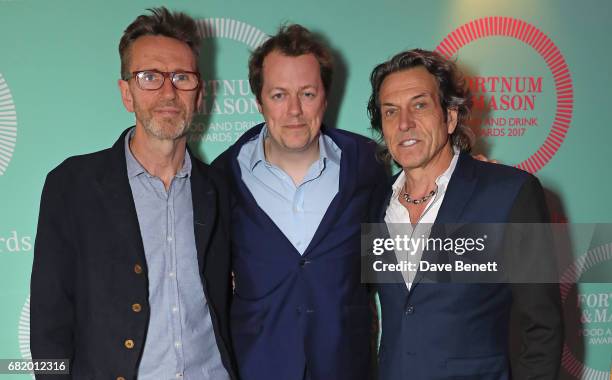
x=277 y=96
x=389 y=112
x=309 y=94
x=182 y=77
x=149 y=76
x=420 y=105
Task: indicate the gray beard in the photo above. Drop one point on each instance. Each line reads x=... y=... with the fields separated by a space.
x=163 y=131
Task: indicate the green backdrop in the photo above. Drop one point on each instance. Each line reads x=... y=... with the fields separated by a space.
x=542 y=69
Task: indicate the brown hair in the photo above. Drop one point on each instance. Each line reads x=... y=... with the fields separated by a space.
x=161 y=22
x=452 y=90
x=291 y=40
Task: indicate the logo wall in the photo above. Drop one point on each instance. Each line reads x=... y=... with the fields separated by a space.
x=8 y=125
x=23 y=330
x=229 y=107
x=502 y=95
x=594 y=325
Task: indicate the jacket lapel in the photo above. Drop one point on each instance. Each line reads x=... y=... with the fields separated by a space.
x=242 y=192
x=382 y=231
x=458 y=193
x=347 y=181
x=119 y=201
x=346 y=186
x=457 y=196
x=203 y=196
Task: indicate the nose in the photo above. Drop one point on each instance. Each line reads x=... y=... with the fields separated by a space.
x=295 y=106
x=406 y=120
x=167 y=90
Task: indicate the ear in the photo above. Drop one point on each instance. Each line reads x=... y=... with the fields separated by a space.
x=126 y=95
x=259 y=107
x=451 y=119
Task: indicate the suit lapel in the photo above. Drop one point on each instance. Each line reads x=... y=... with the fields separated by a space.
x=120 y=202
x=203 y=196
x=244 y=195
x=346 y=187
x=458 y=194
x=382 y=231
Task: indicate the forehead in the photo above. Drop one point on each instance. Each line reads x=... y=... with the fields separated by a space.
x=283 y=70
x=162 y=53
x=411 y=82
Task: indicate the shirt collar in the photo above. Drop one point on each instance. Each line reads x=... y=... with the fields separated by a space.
x=134 y=168
x=445 y=177
x=258 y=154
x=327 y=150
x=185 y=170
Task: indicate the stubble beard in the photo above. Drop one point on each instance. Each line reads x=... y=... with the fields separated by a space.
x=165 y=128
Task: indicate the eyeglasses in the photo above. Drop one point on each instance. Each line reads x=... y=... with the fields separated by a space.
x=152 y=80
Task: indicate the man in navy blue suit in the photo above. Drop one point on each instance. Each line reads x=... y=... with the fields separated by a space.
x=419 y=104
x=301 y=190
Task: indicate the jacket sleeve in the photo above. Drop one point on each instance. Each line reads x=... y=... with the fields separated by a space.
x=537 y=306
x=52 y=316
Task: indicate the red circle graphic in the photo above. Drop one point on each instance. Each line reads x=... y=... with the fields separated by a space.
x=532 y=36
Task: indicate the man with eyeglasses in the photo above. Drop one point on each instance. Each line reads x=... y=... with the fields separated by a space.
x=131 y=272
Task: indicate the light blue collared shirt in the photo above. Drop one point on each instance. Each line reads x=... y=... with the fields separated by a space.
x=180 y=342
x=296 y=210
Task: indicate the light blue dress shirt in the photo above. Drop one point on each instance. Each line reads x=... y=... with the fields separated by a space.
x=180 y=341
x=296 y=210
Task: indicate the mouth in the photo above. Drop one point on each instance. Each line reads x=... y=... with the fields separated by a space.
x=171 y=111
x=295 y=126
x=408 y=142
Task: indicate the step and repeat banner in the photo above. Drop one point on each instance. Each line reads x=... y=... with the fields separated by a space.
x=539 y=72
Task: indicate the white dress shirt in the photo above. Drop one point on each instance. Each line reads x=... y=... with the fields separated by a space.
x=398 y=220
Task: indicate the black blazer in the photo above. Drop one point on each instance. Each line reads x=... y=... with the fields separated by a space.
x=89 y=286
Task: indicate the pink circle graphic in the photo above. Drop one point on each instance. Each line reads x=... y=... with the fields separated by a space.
x=569 y=280
x=546 y=48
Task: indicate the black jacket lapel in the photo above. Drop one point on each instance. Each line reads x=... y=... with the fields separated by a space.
x=119 y=200
x=203 y=196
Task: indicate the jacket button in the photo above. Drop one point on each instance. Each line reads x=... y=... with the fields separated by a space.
x=409 y=310
x=137 y=269
x=303 y=262
x=136 y=308
x=129 y=344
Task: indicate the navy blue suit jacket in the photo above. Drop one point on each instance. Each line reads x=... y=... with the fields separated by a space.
x=295 y=315
x=461 y=331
